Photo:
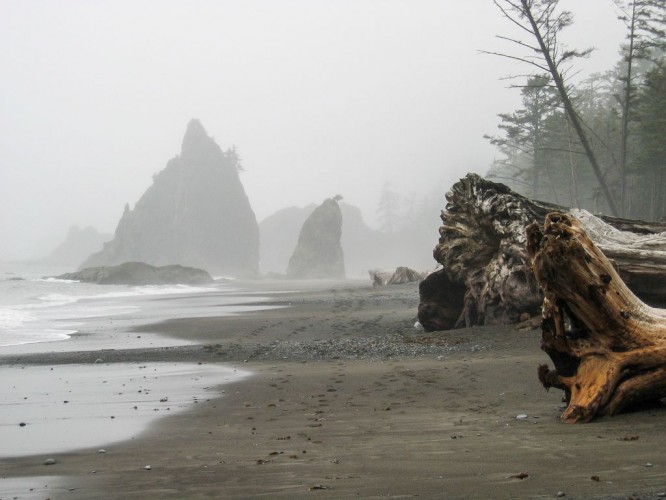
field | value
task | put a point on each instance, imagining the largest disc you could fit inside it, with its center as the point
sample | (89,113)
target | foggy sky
(320,98)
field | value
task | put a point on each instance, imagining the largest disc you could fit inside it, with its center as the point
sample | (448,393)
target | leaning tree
(539,24)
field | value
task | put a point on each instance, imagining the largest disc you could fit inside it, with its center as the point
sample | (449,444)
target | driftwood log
(400,276)
(608,347)
(485,274)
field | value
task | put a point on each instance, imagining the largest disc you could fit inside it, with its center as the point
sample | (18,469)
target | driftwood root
(608,347)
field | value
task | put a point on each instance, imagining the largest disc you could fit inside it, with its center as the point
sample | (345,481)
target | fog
(319,97)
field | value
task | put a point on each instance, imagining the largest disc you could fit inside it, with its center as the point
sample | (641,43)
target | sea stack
(196,214)
(79,243)
(318,253)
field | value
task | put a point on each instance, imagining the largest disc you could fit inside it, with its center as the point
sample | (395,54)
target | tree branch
(515,58)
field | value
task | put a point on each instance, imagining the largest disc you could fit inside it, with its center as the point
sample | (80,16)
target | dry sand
(349,400)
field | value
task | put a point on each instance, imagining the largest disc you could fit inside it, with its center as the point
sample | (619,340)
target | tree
(651,115)
(645,21)
(234,158)
(542,21)
(388,209)
(523,130)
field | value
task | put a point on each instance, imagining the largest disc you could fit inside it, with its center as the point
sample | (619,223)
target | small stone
(522,416)
(147,467)
(648,464)
(99,360)
(101,451)
(561,494)
(22,424)
(661,495)
(49,461)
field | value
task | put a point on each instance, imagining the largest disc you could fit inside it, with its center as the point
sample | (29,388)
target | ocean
(35,307)
(52,409)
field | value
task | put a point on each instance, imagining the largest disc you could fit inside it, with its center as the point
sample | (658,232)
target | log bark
(485,273)
(608,347)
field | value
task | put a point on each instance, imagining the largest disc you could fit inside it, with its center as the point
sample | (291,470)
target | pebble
(648,464)
(561,494)
(522,416)
(101,451)
(147,467)
(49,461)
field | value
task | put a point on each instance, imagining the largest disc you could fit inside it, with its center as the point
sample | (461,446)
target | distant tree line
(598,144)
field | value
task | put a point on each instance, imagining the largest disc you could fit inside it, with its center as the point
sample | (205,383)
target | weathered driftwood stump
(485,276)
(608,347)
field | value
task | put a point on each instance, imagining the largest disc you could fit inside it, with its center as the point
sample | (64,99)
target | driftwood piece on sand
(608,347)
(485,273)
(400,276)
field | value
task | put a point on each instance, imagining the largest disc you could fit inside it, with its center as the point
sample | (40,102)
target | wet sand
(347,399)
(51,409)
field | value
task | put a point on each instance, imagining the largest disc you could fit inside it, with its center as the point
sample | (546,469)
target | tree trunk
(548,52)
(485,275)
(608,347)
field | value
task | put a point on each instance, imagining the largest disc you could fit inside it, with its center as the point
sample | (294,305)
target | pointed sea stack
(196,213)
(318,253)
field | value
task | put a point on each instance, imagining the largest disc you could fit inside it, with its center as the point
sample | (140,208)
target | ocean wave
(14,318)
(55,280)
(24,322)
(25,336)
(138,291)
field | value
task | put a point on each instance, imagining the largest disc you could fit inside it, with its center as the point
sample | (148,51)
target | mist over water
(319,98)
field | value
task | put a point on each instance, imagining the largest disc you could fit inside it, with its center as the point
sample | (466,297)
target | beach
(341,396)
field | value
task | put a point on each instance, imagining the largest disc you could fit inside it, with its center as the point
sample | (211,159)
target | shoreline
(54,409)
(363,405)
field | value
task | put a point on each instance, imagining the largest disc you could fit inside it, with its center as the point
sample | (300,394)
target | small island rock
(140,273)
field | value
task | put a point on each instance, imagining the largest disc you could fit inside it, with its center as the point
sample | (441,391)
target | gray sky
(320,97)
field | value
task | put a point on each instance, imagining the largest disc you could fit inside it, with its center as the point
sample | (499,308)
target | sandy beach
(347,399)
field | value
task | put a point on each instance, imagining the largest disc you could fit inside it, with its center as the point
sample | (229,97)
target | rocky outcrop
(196,213)
(78,244)
(279,235)
(139,273)
(364,248)
(318,253)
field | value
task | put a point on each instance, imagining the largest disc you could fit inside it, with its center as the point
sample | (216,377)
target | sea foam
(47,309)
